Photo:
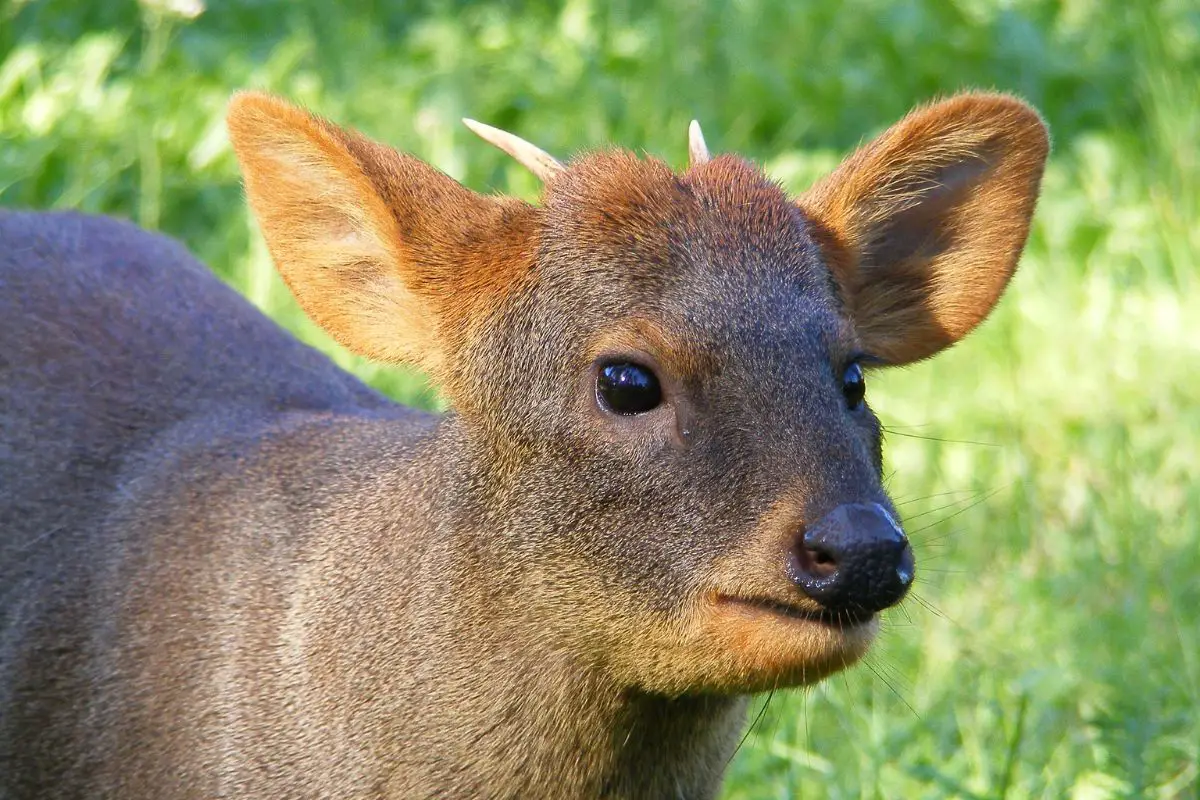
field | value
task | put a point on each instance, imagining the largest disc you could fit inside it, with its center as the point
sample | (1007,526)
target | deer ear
(380,249)
(922,228)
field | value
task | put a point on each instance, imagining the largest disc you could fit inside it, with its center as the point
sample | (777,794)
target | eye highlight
(854,386)
(626,388)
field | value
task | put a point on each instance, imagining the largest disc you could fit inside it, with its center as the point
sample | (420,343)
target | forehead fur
(616,205)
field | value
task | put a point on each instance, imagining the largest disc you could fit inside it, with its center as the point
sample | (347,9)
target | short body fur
(227,568)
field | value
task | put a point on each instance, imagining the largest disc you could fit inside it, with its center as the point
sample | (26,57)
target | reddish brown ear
(383,251)
(922,228)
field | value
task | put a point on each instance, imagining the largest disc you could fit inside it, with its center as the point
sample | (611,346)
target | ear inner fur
(922,228)
(390,256)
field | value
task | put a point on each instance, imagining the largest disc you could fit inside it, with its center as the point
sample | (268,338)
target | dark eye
(627,388)
(854,386)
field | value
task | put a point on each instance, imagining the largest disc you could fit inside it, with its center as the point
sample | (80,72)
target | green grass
(1047,467)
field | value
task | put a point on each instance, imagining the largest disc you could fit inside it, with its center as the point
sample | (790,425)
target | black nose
(854,560)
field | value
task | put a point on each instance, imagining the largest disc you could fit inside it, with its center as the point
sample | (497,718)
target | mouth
(763,643)
(840,620)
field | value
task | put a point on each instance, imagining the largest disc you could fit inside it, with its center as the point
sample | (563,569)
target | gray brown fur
(229,569)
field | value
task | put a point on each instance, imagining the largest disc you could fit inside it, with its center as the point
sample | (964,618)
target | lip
(840,620)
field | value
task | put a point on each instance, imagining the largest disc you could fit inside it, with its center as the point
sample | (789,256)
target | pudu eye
(854,386)
(627,388)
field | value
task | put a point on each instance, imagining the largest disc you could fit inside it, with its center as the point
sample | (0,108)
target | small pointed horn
(697,149)
(533,158)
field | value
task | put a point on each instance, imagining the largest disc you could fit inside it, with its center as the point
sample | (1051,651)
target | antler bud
(533,158)
(697,149)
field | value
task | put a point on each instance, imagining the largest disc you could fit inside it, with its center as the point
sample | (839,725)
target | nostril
(821,557)
(814,566)
(817,561)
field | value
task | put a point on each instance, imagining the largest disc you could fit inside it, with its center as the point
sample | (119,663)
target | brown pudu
(228,569)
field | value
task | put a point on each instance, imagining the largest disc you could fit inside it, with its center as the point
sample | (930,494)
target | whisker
(750,729)
(932,496)
(867,663)
(893,672)
(934,551)
(772,721)
(940,539)
(939,439)
(951,504)
(940,570)
(930,607)
(985,497)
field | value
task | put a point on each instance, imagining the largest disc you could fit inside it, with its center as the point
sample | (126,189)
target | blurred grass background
(1047,468)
